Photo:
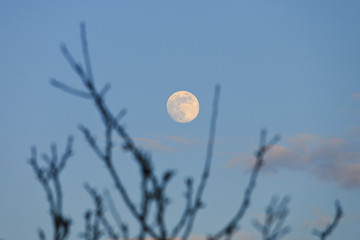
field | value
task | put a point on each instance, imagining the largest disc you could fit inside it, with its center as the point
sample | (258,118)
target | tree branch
(330,228)
(48,175)
(206,172)
(276,214)
(232,225)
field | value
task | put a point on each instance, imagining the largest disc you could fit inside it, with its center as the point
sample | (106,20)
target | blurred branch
(330,228)
(113,211)
(86,53)
(152,186)
(276,213)
(68,89)
(111,124)
(259,154)
(206,172)
(41,234)
(187,211)
(92,227)
(51,174)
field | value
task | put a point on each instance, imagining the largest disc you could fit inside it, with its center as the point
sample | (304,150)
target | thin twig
(48,175)
(330,228)
(275,217)
(206,172)
(86,53)
(99,216)
(68,89)
(264,147)
(187,211)
(113,211)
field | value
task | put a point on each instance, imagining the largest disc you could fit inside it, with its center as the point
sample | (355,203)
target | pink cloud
(355,95)
(165,143)
(177,139)
(319,221)
(154,144)
(330,159)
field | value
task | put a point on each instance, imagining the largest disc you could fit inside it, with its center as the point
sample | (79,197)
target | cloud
(320,221)
(165,143)
(177,139)
(330,159)
(154,144)
(356,95)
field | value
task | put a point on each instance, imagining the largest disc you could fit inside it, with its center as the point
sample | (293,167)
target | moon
(182,106)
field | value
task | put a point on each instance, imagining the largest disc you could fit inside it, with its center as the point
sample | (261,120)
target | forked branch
(259,154)
(49,177)
(276,213)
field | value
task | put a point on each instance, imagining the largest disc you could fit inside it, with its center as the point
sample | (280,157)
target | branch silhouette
(150,210)
(152,187)
(116,216)
(276,214)
(232,225)
(94,219)
(49,177)
(330,228)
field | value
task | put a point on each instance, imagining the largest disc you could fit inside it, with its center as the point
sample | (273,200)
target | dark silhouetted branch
(93,226)
(276,213)
(69,89)
(259,154)
(330,228)
(41,234)
(113,211)
(206,172)
(153,198)
(112,124)
(187,211)
(51,174)
(86,53)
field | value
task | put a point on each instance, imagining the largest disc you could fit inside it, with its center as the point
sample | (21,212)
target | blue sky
(289,66)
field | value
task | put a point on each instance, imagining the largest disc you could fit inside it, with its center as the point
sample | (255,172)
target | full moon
(182,106)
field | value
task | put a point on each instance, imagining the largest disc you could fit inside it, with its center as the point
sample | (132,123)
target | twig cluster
(150,210)
(49,177)
(153,187)
(94,219)
(275,215)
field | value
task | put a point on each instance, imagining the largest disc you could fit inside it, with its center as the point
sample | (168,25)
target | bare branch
(152,186)
(86,52)
(110,122)
(104,90)
(276,214)
(187,211)
(68,89)
(99,217)
(120,115)
(233,223)
(162,202)
(48,175)
(113,211)
(206,172)
(330,228)
(67,154)
(87,234)
(92,142)
(75,66)
(41,234)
